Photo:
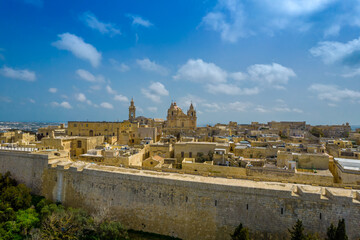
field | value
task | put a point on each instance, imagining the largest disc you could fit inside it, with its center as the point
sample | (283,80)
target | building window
(215,203)
(190,154)
(79,144)
(75,125)
(182,154)
(282,211)
(87,125)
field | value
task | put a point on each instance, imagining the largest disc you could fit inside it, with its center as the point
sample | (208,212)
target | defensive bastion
(185,206)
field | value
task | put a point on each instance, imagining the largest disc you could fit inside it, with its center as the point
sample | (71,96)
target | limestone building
(177,120)
(132,111)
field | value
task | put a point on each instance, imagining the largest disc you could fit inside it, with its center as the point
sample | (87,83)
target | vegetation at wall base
(240,233)
(25,216)
(140,235)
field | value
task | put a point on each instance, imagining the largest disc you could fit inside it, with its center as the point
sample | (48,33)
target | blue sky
(258,60)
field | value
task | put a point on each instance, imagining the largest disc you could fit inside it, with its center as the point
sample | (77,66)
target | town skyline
(298,62)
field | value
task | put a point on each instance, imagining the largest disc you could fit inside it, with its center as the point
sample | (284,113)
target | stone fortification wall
(189,206)
(25,168)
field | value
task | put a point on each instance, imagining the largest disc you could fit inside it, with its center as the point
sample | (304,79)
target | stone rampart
(187,206)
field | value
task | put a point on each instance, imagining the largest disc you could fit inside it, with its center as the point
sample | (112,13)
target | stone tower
(191,113)
(132,110)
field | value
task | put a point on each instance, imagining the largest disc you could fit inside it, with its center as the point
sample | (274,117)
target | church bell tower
(132,110)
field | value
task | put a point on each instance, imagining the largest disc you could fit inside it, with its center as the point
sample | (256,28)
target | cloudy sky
(245,60)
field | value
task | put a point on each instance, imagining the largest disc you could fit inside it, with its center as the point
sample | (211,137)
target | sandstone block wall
(188,206)
(25,168)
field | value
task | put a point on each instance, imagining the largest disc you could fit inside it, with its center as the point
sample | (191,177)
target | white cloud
(287,109)
(148,65)
(215,79)
(155,91)
(106,105)
(200,71)
(121,98)
(354,73)
(332,30)
(79,48)
(297,110)
(234,20)
(334,93)
(261,109)
(148,94)
(96,87)
(331,52)
(110,90)
(239,106)
(275,74)
(137,20)
(53,90)
(228,19)
(21,74)
(62,104)
(230,89)
(87,76)
(239,76)
(80,97)
(152,109)
(212,107)
(296,7)
(185,101)
(32,100)
(159,88)
(281,107)
(121,67)
(105,28)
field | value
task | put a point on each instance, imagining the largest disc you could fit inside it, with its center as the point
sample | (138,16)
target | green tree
(6,212)
(337,233)
(240,233)
(17,196)
(297,231)
(60,223)
(200,157)
(27,219)
(331,232)
(341,231)
(211,155)
(112,231)
(317,132)
(7,181)
(10,230)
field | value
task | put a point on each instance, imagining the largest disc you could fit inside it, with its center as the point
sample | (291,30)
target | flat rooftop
(349,164)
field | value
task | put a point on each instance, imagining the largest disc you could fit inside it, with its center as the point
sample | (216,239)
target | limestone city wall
(187,206)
